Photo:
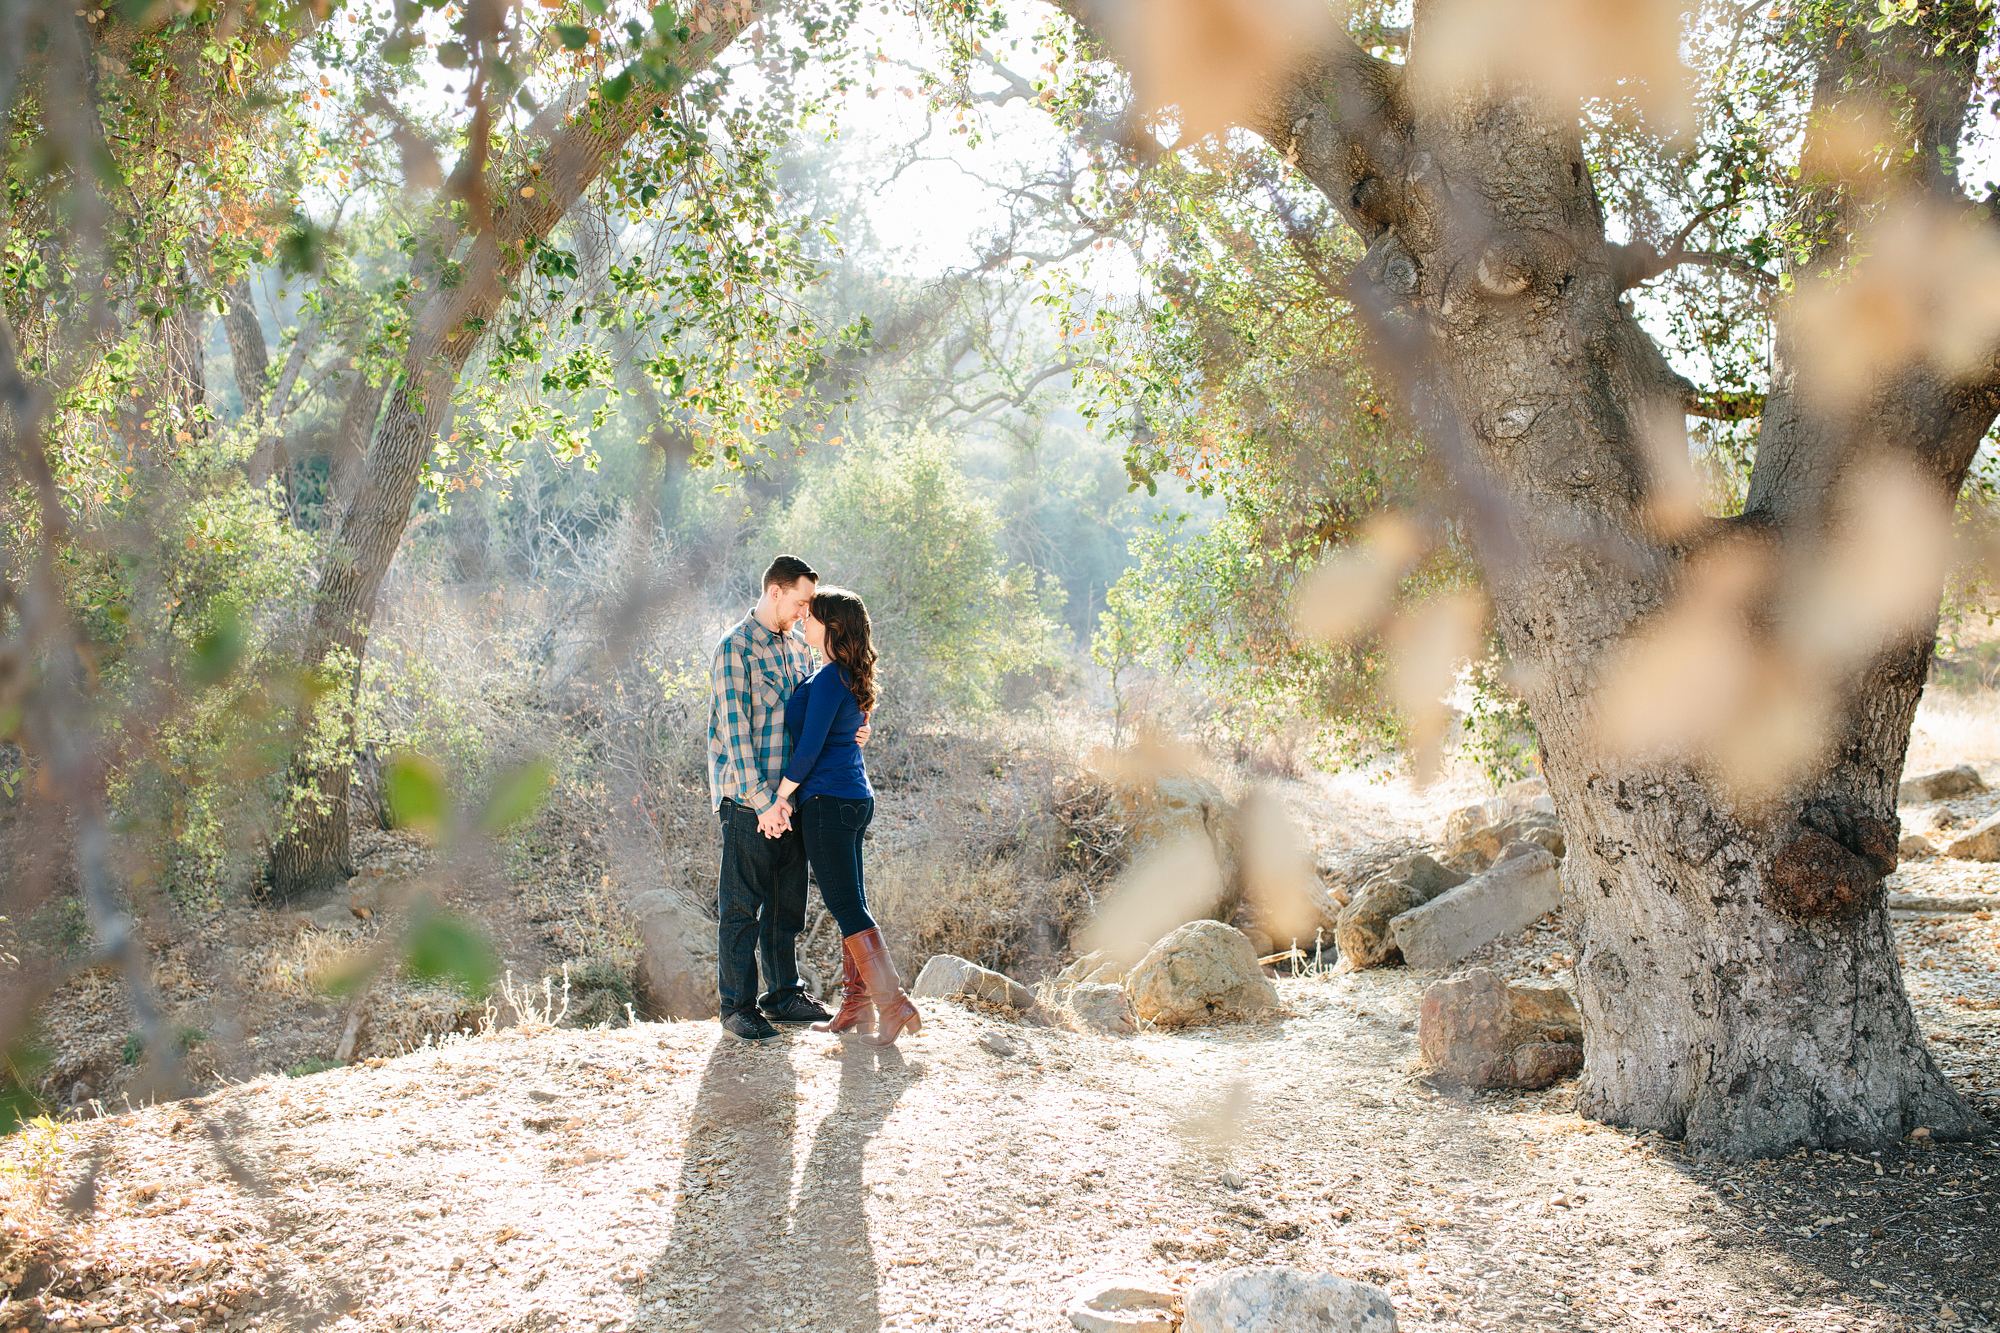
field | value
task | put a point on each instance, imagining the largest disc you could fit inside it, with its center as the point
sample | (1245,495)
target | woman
(828,784)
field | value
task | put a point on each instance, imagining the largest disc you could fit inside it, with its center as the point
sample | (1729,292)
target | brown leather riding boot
(855,1006)
(893,1010)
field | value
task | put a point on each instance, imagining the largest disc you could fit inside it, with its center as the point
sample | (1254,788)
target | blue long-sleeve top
(822,717)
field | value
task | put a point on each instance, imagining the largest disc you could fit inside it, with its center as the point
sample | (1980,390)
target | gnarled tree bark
(1737,971)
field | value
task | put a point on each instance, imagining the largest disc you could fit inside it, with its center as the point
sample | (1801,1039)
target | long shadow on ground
(744,1258)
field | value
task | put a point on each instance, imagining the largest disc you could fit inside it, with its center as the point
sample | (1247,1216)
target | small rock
(1518,889)
(998,1044)
(1942,785)
(1103,1008)
(1203,970)
(1363,932)
(1230,1180)
(1479,1031)
(1286,1300)
(949,975)
(543,1095)
(1461,823)
(675,974)
(1123,1304)
(1915,847)
(1981,842)
(1479,849)
(1100,966)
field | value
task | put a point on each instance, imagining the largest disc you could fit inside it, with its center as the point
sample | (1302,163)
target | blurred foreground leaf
(449,948)
(414,789)
(20,1065)
(216,652)
(516,795)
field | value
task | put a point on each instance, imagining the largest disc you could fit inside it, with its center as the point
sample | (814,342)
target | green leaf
(302,249)
(217,652)
(21,1064)
(620,88)
(516,795)
(413,788)
(444,947)
(572,36)
(452,56)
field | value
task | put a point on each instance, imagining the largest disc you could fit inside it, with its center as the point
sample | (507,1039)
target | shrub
(895,520)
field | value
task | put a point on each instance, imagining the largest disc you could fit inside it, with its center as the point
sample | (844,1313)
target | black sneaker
(749,1025)
(795,1007)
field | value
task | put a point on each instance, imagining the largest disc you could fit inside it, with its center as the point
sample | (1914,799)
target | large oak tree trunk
(313,852)
(1737,970)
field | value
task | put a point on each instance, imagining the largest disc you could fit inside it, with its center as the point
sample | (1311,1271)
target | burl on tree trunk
(1737,972)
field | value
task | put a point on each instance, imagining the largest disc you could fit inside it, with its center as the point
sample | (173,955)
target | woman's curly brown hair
(848,640)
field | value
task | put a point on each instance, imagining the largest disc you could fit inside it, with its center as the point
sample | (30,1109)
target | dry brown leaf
(1880,577)
(1353,587)
(1151,756)
(1848,140)
(1426,647)
(1923,288)
(1566,50)
(1215,61)
(1673,492)
(1277,868)
(1781,728)
(1681,681)
(1171,886)
(1219,1121)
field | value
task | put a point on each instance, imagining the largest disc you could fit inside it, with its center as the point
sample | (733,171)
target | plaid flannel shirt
(753,674)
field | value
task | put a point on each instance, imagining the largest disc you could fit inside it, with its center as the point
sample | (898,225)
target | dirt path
(661,1178)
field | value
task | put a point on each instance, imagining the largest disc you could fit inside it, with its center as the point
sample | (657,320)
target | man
(762,898)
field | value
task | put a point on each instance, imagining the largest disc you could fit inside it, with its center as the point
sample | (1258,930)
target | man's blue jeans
(761,902)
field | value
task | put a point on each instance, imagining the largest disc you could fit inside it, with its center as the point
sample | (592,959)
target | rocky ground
(659,1177)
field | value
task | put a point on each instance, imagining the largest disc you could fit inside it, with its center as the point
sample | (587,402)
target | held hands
(777,821)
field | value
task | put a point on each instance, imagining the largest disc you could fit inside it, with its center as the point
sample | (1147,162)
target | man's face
(788,604)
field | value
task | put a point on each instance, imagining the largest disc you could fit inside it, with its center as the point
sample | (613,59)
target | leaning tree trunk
(313,853)
(1737,971)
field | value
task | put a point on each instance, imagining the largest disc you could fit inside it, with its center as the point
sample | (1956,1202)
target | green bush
(895,520)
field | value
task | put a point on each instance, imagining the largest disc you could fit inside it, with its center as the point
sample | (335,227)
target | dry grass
(1954,727)
(997,912)
(307,967)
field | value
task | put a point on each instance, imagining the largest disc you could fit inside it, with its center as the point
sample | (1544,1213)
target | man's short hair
(787,570)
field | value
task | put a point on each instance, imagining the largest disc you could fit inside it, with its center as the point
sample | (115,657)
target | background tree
(1723,702)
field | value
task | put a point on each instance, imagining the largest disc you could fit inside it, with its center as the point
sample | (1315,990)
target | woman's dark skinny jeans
(833,826)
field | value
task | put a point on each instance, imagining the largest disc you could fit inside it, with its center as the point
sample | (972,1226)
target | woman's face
(813,628)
